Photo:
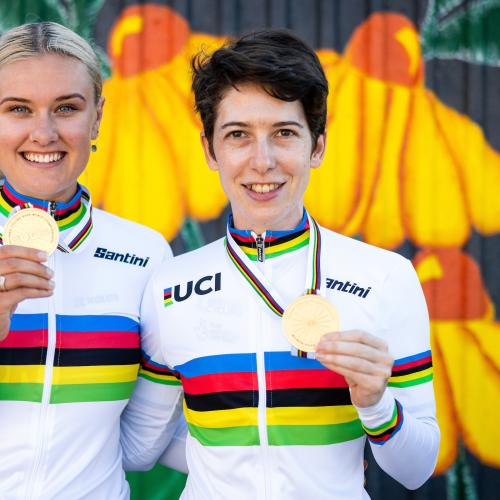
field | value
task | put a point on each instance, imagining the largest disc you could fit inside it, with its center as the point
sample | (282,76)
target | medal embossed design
(307,319)
(32,228)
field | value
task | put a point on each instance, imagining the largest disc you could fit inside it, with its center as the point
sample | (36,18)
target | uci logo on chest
(179,293)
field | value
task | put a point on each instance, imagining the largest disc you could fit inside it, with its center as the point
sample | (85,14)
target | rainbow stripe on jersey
(307,404)
(412,370)
(155,372)
(96,358)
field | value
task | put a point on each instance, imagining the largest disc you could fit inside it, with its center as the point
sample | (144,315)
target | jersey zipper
(262,406)
(34,480)
(260,242)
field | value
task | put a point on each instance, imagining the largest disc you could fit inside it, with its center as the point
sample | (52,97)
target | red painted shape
(460,293)
(164,33)
(375,49)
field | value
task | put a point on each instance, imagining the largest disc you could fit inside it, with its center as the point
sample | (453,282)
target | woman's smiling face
(48,116)
(263,152)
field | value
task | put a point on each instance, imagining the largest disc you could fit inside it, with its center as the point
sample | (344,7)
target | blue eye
(19,109)
(66,108)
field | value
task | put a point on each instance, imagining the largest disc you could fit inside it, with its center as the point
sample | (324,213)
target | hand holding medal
(363,359)
(29,236)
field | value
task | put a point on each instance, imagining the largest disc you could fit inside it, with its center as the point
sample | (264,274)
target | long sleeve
(152,414)
(174,456)
(402,427)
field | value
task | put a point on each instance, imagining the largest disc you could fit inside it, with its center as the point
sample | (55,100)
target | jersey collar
(74,217)
(275,242)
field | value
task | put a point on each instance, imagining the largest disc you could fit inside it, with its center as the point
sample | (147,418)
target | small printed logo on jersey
(203,286)
(167,297)
(126,258)
(348,287)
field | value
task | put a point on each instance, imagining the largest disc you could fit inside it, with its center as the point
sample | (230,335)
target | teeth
(263,188)
(43,158)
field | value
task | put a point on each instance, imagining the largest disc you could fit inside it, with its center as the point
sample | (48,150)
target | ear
(319,151)
(209,157)
(98,118)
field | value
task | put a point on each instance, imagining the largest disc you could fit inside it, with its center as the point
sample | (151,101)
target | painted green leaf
(462,29)
(19,12)
(78,15)
(192,235)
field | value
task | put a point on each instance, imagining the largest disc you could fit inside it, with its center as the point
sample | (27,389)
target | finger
(20,265)
(357,336)
(23,280)
(356,349)
(340,363)
(367,382)
(9,251)
(9,300)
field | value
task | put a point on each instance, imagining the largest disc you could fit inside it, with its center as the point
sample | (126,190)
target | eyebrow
(234,124)
(288,124)
(58,99)
(71,96)
(277,124)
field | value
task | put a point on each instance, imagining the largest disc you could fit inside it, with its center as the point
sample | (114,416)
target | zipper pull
(260,248)
(52,208)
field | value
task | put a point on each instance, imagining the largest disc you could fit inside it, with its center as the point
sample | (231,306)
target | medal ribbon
(258,281)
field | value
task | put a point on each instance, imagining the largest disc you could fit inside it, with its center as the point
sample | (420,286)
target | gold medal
(307,319)
(32,228)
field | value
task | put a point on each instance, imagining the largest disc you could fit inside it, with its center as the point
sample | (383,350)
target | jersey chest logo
(180,293)
(126,258)
(348,287)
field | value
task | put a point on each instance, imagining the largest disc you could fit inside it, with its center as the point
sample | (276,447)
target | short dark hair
(278,60)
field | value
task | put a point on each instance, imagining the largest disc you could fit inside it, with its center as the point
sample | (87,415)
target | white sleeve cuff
(378,414)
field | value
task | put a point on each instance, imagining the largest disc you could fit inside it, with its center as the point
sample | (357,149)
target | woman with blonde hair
(71,282)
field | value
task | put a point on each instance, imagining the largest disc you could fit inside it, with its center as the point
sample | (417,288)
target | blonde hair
(33,39)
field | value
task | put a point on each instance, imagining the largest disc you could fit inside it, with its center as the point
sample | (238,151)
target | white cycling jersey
(265,423)
(69,362)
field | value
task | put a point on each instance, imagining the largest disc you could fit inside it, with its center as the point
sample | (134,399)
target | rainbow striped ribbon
(263,287)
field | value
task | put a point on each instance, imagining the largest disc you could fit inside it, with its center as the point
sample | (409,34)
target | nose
(44,130)
(263,157)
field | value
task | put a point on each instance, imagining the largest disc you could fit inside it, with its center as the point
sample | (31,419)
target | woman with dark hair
(279,399)
(71,281)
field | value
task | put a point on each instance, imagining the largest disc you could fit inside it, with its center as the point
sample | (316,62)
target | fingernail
(50,273)
(43,255)
(52,284)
